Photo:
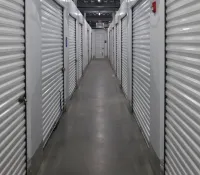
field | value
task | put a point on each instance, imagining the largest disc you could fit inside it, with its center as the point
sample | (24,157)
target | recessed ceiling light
(99,13)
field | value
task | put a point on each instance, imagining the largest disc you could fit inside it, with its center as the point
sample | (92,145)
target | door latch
(22,99)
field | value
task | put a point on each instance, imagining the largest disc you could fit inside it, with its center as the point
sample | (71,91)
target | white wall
(86,55)
(93,43)
(33,76)
(106,44)
(90,49)
(157,79)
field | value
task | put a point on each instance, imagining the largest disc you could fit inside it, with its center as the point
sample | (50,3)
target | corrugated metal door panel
(110,46)
(88,46)
(116,65)
(182,88)
(52,65)
(80,55)
(118,54)
(72,55)
(124,56)
(91,46)
(12,88)
(113,48)
(82,48)
(141,64)
(116,49)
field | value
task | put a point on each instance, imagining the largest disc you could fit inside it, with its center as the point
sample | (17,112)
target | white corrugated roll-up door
(118,52)
(116,49)
(91,45)
(80,45)
(141,65)
(182,131)
(114,56)
(52,65)
(124,64)
(88,46)
(110,46)
(12,88)
(113,47)
(72,55)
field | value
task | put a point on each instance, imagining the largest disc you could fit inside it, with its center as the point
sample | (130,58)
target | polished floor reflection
(98,135)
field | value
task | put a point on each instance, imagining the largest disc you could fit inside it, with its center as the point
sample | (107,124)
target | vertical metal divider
(165,110)
(25,74)
(63,103)
(121,55)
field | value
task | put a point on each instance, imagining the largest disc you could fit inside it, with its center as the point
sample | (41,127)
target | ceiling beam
(98,8)
(98,19)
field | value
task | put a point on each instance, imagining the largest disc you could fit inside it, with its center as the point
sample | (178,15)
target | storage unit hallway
(97,135)
(100,87)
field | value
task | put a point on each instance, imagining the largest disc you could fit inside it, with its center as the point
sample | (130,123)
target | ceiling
(98,11)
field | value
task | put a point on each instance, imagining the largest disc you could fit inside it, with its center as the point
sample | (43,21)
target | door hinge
(22,99)
(63,69)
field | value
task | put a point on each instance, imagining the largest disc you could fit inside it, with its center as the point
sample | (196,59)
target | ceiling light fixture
(99,13)
(99,0)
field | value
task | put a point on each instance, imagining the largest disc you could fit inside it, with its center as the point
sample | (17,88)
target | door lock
(22,99)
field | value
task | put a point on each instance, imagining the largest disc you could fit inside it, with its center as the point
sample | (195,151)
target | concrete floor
(98,135)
